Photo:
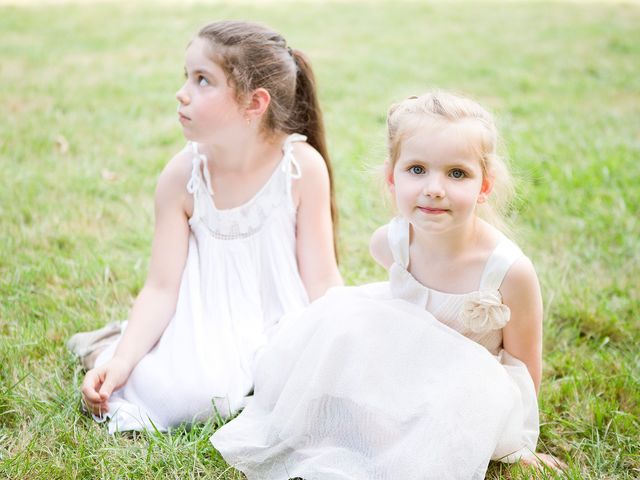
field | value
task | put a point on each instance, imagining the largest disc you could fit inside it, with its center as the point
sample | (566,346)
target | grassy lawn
(88,121)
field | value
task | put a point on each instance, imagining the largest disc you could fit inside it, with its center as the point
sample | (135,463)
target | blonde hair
(443,107)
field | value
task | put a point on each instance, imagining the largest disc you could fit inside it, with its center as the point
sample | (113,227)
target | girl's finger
(90,387)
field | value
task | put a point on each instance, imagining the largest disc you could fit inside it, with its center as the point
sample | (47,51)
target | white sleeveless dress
(367,384)
(240,277)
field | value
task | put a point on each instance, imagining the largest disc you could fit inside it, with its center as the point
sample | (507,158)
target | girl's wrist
(125,363)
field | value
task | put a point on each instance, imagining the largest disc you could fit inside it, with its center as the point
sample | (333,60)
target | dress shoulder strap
(499,263)
(200,180)
(200,176)
(289,162)
(398,237)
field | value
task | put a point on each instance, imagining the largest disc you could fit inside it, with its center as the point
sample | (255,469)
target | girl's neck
(243,154)
(454,243)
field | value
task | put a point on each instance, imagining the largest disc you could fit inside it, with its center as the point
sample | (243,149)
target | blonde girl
(433,373)
(243,235)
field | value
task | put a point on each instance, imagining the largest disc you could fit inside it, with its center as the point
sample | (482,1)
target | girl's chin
(429,223)
(205,139)
(189,136)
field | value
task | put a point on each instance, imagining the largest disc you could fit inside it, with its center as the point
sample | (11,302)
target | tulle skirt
(362,386)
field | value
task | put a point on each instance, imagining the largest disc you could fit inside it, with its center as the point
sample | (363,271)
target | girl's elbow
(319,286)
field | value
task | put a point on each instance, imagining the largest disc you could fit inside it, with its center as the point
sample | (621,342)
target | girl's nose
(433,187)
(182,96)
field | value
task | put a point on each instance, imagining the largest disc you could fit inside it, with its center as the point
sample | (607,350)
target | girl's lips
(183,118)
(433,211)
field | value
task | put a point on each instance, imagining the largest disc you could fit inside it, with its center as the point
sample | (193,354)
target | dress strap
(289,162)
(199,171)
(200,178)
(499,263)
(398,237)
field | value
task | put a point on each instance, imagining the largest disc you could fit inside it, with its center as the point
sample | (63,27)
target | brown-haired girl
(244,234)
(429,375)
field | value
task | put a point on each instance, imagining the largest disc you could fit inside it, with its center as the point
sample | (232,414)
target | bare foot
(542,460)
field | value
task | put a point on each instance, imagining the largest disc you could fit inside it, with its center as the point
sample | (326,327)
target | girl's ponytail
(306,118)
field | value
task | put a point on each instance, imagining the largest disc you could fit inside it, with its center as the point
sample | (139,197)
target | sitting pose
(431,374)
(244,234)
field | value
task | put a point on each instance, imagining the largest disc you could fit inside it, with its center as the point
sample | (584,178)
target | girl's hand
(542,460)
(99,383)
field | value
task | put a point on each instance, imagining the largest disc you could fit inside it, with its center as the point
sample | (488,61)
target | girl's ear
(257,104)
(388,176)
(485,189)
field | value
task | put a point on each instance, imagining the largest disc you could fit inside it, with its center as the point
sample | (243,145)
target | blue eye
(416,170)
(457,173)
(203,82)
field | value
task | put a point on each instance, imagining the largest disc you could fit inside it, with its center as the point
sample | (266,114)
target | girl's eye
(457,173)
(417,170)
(203,82)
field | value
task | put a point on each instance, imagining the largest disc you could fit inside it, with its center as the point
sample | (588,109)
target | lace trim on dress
(249,218)
(245,222)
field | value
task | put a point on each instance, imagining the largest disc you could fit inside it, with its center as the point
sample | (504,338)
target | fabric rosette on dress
(484,311)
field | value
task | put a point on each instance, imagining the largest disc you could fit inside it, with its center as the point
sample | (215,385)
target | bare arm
(156,302)
(523,333)
(379,247)
(314,234)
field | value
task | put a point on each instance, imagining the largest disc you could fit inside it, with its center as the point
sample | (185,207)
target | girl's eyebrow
(414,160)
(465,164)
(198,71)
(462,162)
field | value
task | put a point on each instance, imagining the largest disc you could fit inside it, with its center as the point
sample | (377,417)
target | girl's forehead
(460,134)
(435,125)
(199,51)
(440,140)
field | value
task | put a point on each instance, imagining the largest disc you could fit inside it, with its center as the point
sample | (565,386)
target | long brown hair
(254,56)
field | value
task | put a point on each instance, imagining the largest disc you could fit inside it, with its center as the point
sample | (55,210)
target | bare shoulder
(173,179)
(520,283)
(177,169)
(311,162)
(313,183)
(379,247)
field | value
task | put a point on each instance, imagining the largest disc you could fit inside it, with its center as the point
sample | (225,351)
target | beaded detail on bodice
(250,217)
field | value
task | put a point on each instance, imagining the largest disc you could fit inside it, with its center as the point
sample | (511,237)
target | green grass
(88,121)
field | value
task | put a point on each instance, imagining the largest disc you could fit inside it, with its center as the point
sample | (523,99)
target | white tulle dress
(240,278)
(390,381)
